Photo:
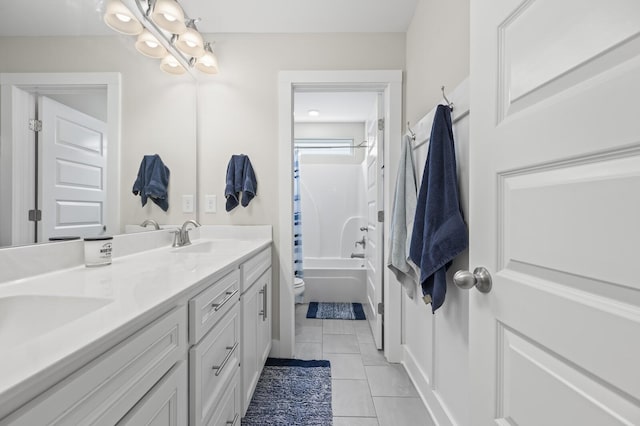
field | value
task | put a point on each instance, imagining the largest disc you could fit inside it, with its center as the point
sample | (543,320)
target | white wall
(437,53)
(158,112)
(436,346)
(238,111)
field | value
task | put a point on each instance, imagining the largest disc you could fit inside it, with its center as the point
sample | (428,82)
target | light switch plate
(187,204)
(210,203)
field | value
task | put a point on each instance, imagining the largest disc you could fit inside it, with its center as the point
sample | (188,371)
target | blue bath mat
(329,310)
(292,392)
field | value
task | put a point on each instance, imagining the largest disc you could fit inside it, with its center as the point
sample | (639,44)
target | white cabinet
(165,404)
(255,306)
(103,391)
(213,364)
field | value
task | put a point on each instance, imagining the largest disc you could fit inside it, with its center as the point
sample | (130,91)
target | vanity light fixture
(164,32)
(170,64)
(208,62)
(190,42)
(120,19)
(169,16)
(149,46)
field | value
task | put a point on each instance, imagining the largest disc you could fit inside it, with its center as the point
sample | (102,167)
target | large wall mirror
(144,110)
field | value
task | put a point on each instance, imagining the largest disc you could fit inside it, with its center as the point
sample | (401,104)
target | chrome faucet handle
(364,228)
(177,237)
(184,232)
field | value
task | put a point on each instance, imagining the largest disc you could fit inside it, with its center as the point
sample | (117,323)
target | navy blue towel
(439,230)
(240,180)
(153,181)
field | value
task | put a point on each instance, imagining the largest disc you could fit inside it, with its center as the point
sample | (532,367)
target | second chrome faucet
(181,235)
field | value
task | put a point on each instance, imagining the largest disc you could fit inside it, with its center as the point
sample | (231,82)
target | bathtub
(335,280)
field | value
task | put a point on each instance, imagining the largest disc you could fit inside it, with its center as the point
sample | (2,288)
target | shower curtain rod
(360,145)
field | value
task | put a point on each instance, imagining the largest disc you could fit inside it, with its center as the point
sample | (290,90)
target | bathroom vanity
(159,337)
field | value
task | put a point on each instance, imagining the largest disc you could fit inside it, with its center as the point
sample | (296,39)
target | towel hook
(449,103)
(413,135)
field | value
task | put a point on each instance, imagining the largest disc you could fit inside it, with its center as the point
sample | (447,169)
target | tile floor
(367,390)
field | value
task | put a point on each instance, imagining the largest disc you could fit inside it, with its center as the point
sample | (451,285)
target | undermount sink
(27,316)
(200,247)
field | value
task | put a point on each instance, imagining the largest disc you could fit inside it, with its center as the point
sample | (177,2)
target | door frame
(390,83)
(14,176)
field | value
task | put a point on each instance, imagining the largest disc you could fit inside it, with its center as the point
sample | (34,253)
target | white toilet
(298,289)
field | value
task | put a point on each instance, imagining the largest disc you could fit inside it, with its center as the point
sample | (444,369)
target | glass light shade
(207,63)
(190,42)
(169,16)
(149,46)
(120,19)
(170,65)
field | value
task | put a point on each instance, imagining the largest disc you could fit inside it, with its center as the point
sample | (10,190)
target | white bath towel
(404,207)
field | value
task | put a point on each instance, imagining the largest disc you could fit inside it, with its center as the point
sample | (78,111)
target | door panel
(555,161)
(375,237)
(74,162)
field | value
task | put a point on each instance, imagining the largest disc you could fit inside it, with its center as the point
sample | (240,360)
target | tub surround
(147,278)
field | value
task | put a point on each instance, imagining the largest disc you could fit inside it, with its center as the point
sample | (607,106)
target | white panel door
(74,170)
(555,212)
(375,237)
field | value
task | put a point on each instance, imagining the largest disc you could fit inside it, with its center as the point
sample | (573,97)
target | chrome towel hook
(449,103)
(413,135)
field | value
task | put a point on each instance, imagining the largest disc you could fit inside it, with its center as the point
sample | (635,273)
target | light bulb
(169,17)
(151,44)
(123,18)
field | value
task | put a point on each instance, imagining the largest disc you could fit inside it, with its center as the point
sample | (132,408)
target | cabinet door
(250,303)
(264,318)
(165,404)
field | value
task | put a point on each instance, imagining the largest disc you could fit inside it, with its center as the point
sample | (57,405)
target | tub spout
(357,255)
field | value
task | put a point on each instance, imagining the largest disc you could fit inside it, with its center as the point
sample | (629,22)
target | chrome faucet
(150,222)
(362,242)
(181,235)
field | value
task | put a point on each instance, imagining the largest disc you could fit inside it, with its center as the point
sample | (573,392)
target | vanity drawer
(165,404)
(254,267)
(212,365)
(227,413)
(209,306)
(103,391)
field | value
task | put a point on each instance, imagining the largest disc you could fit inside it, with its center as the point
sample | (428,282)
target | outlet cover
(210,203)
(187,204)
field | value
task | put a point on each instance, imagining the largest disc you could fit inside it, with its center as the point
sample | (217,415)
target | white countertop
(139,287)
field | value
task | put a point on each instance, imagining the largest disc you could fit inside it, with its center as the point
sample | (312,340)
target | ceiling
(334,107)
(83,17)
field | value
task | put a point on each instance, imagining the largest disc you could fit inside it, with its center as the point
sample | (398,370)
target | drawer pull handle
(217,306)
(226,359)
(265,299)
(235,419)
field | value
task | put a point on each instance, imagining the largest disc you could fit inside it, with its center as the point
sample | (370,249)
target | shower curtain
(297,223)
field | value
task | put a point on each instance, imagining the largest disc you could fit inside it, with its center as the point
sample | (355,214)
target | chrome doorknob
(480,278)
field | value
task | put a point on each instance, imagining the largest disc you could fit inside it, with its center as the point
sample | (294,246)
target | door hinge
(380,308)
(381,124)
(35,215)
(35,125)
(381,216)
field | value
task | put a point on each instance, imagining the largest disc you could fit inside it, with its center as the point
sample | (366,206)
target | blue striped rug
(329,310)
(292,392)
